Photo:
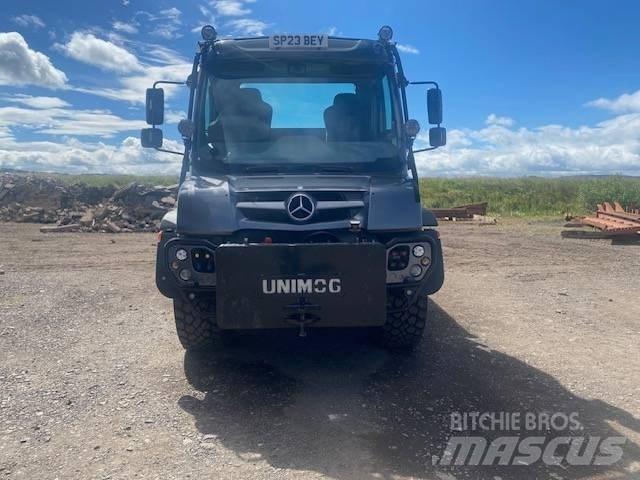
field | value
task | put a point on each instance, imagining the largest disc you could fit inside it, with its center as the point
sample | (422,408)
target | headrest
(251,94)
(346,100)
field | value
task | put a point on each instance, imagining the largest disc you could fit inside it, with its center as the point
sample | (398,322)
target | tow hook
(301,315)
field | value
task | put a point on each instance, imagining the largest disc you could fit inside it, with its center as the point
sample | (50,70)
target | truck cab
(298,204)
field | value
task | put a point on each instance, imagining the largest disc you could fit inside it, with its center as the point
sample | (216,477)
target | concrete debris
(37,198)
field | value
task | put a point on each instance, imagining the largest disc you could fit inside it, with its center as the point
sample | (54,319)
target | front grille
(270,206)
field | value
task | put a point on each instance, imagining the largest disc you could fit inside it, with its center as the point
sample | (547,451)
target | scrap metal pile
(79,207)
(611,220)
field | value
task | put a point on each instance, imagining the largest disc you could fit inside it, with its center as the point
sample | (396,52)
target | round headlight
(415,271)
(418,251)
(385,33)
(208,33)
(185,274)
(181,254)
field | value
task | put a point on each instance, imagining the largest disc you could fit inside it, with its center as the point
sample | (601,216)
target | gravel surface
(93,382)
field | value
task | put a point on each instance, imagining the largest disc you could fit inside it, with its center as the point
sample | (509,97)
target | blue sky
(531,88)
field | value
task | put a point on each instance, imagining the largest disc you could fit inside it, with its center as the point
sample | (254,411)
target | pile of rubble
(79,207)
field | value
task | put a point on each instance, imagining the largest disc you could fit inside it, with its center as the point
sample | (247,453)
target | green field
(532,196)
(517,197)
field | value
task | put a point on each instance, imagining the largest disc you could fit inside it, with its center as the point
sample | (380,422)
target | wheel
(195,322)
(406,320)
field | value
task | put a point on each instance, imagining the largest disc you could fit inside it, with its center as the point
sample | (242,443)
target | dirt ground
(93,382)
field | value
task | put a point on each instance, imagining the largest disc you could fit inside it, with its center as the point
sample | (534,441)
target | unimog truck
(299,203)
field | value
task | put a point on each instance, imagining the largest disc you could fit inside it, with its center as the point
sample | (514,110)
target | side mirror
(437,136)
(155,106)
(434,106)
(151,137)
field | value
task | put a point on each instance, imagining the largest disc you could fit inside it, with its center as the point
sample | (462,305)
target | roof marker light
(208,33)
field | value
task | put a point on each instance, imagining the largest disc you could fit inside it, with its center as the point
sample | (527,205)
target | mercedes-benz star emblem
(300,207)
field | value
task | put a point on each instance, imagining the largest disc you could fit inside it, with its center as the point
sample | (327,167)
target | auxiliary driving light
(181,254)
(412,127)
(385,33)
(418,251)
(415,271)
(208,33)
(185,274)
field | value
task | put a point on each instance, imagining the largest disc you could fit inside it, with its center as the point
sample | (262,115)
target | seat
(243,118)
(345,120)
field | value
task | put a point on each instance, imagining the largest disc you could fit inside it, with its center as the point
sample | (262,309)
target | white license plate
(298,41)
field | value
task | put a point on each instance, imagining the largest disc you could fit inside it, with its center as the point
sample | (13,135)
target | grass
(532,196)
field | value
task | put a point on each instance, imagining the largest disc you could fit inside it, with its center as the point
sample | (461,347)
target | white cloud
(87,48)
(248,26)
(627,102)
(36,102)
(165,24)
(20,65)
(67,121)
(494,119)
(125,27)
(132,88)
(29,20)
(73,156)
(232,8)
(612,146)
(407,49)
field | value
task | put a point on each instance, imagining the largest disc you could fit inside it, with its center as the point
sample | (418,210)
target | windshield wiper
(261,169)
(334,169)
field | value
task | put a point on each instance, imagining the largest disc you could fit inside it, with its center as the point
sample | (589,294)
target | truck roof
(339,49)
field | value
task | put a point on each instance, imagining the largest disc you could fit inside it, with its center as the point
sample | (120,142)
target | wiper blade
(334,169)
(261,169)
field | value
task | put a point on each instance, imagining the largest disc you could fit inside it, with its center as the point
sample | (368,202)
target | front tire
(406,321)
(195,323)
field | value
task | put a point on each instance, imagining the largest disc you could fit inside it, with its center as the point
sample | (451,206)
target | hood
(224,205)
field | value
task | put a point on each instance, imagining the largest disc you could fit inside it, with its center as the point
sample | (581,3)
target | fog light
(181,254)
(415,271)
(398,258)
(425,261)
(418,251)
(185,274)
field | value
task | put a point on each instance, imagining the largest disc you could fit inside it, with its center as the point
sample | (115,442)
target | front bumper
(244,272)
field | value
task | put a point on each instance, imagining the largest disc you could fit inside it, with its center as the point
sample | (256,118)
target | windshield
(302,122)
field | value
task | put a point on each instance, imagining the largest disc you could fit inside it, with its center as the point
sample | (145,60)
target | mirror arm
(435,84)
(167,82)
(169,151)
(424,149)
